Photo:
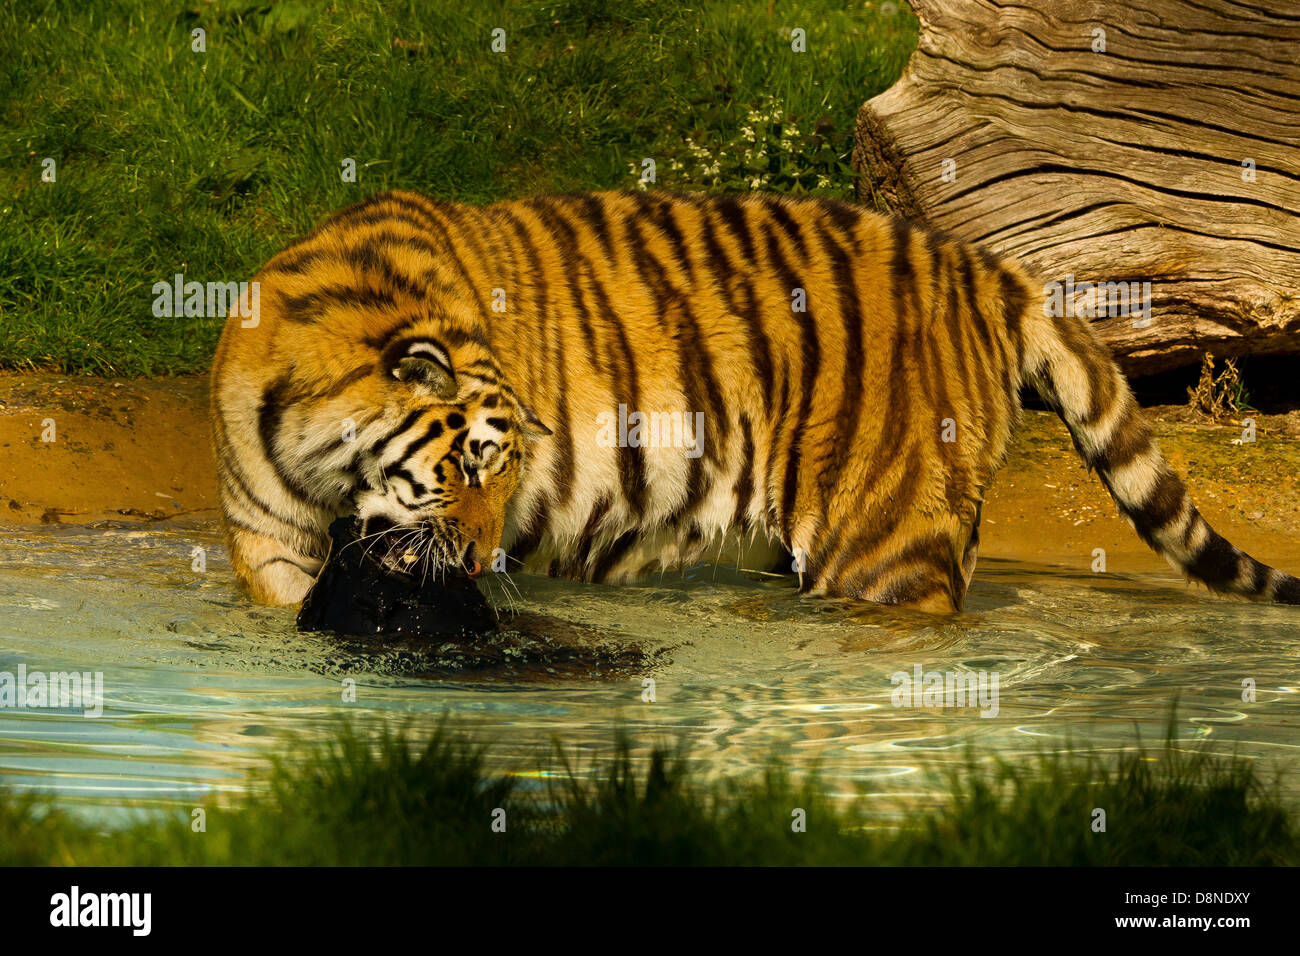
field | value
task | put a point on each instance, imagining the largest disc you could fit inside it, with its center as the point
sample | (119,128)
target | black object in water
(354,594)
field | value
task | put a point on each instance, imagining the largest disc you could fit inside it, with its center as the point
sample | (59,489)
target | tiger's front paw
(280,583)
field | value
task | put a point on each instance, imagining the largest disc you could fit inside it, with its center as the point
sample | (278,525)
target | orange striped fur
(481,353)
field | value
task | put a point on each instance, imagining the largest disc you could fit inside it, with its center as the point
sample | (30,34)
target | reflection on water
(199,685)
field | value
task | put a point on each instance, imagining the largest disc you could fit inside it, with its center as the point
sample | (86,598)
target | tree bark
(1148,141)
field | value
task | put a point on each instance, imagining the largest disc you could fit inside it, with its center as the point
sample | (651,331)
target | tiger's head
(434,485)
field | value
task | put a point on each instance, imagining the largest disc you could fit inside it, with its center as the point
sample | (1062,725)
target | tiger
(449,374)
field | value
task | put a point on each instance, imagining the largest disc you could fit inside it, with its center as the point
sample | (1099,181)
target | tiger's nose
(469,561)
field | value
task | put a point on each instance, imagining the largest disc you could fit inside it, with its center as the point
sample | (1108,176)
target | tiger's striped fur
(824,429)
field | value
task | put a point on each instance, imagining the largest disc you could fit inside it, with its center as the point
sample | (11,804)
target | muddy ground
(140,451)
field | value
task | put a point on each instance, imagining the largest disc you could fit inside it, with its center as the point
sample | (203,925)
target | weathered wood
(1128,164)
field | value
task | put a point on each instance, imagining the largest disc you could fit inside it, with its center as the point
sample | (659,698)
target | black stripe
(733,215)
(691,365)
(1217,563)
(594,206)
(1129,439)
(240,484)
(903,291)
(468,226)
(563,428)
(776,425)
(631,465)
(1016,305)
(1288,592)
(572,258)
(377,450)
(724,273)
(312,306)
(431,433)
(317,543)
(541,301)
(661,213)
(1163,504)
(744,488)
(428,221)
(270,415)
(838,452)
(579,557)
(230,465)
(529,537)
(846,217)
(455,335)
(298,263)
(788,226)
(956,467)
(369,257)
(564,460)
(376,217)
(932,551)
(966,273)
(974,381)
(935,381)
(349,379)
(417,487)
(697,358)
(286,561)
(613,554)
(810,365)
(869,532)
(999,360)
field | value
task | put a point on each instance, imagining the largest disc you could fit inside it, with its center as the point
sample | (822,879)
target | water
(199,685)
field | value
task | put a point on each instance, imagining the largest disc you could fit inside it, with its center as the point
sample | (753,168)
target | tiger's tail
(1072,371)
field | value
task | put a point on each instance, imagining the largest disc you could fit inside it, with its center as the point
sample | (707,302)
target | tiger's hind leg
(926,565)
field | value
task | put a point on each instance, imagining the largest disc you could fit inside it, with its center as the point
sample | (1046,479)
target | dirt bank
(135,450)
(139,451)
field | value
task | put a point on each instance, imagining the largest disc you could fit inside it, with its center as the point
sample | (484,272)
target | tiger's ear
(425,371)
(532,426)
(426,363)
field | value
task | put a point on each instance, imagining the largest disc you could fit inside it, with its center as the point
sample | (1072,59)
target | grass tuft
(391,801)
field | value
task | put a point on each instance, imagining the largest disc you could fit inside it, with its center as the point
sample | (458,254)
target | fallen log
(1156,141)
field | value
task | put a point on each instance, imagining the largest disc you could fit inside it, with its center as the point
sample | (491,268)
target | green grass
(387,801)
(206,163)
